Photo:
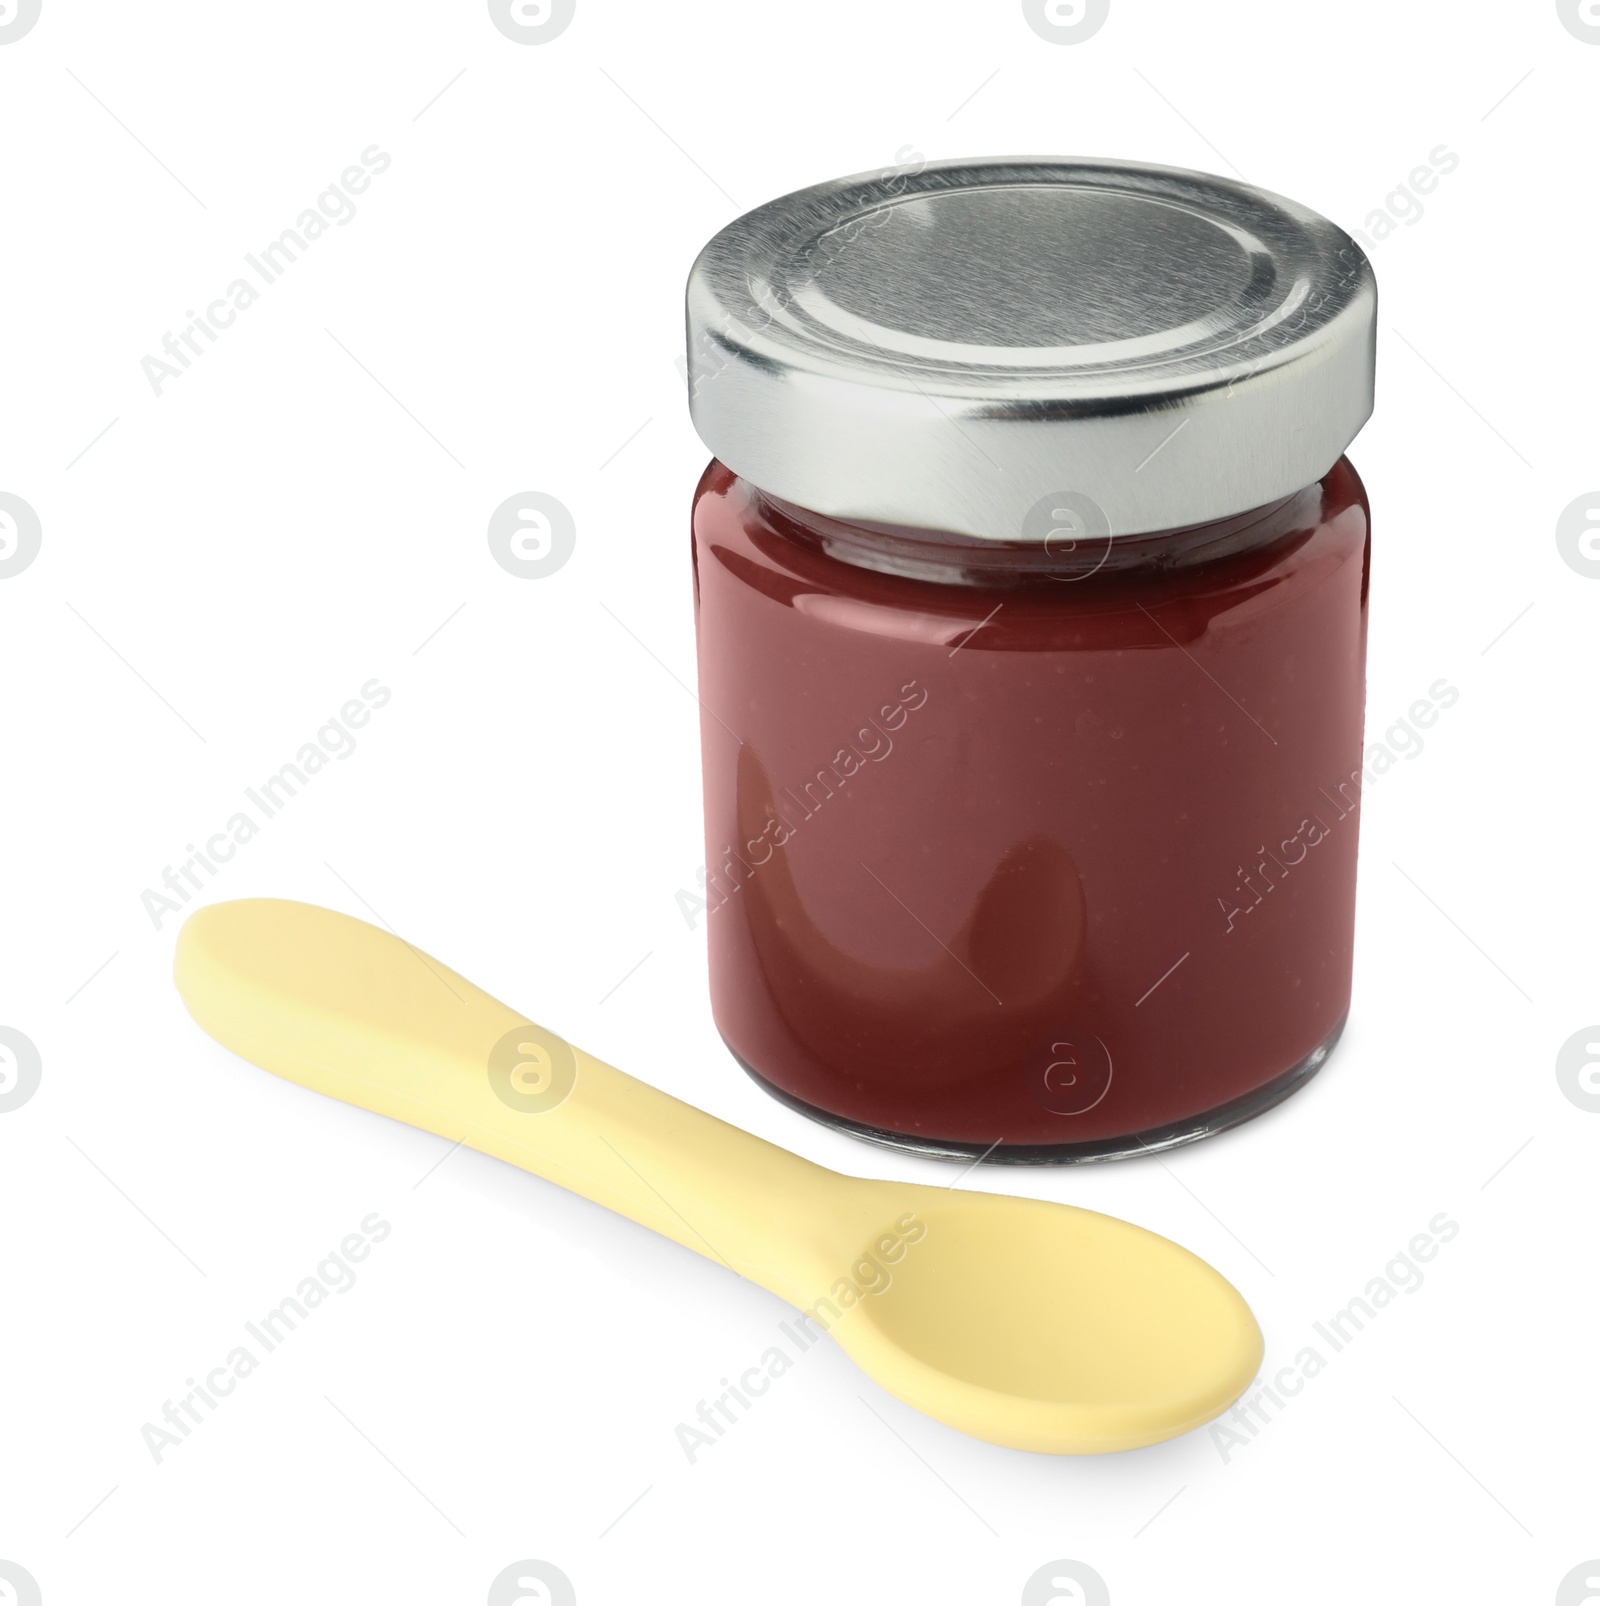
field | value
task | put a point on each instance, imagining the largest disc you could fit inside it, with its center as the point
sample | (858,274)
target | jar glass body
(1044,846)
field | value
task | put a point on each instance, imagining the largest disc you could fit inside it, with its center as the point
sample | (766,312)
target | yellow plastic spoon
(1034,1325)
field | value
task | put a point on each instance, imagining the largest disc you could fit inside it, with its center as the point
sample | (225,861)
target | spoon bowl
(1046,1327)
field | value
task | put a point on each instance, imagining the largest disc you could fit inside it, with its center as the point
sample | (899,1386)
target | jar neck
(948,559)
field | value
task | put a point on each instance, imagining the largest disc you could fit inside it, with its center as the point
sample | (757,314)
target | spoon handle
(346,1009)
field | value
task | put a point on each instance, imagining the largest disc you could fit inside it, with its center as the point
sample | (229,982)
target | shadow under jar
(1031,587)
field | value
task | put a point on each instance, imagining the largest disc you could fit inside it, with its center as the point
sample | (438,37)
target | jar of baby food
(1031,587)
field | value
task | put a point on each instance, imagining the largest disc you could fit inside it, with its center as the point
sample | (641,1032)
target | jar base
(1234,1113)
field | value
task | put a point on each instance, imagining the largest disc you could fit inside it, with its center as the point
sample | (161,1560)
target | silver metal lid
(975,346)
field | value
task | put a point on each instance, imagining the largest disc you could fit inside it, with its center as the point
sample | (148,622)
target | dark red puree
(1050,849)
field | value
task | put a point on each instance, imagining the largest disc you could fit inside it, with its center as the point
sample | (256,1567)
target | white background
(305,509)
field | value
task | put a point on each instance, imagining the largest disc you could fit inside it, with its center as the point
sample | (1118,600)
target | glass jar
(1031,587)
